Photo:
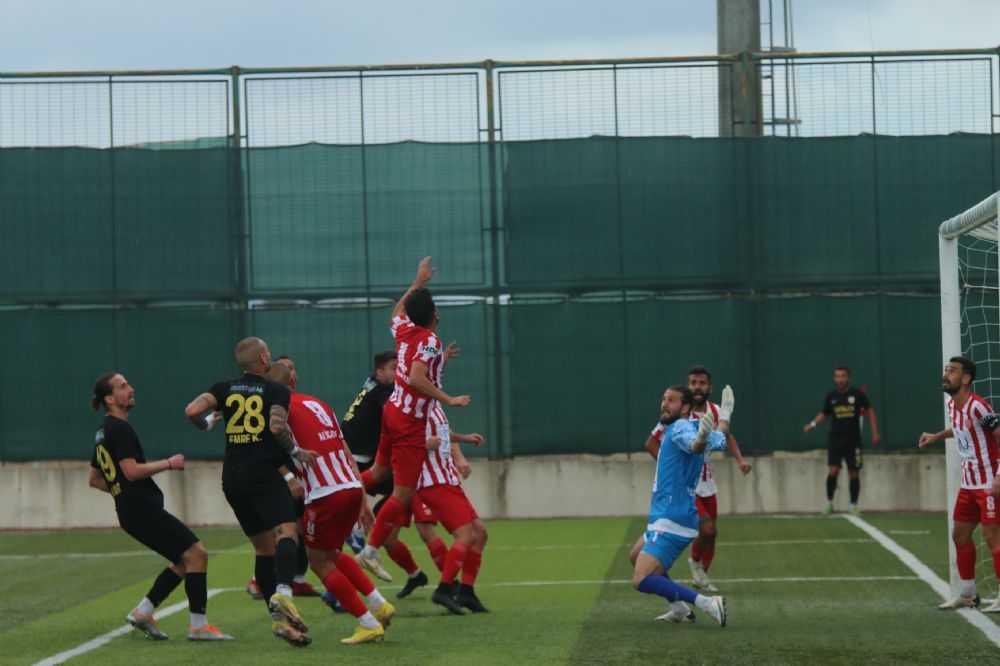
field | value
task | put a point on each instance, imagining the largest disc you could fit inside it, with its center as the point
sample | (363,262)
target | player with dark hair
(334,501)
(975,428)
(673,516)
(255,411)
(402,444)
(119,467)
(845,405)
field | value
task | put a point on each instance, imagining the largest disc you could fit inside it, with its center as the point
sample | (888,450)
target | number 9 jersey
(246,404)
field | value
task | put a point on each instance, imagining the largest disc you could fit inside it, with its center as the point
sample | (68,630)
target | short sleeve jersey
(246,408)
(362,423)
(672,507)
(414,343)
(973,424)
(315,427)
(439,468)
(845,411)
(115,441)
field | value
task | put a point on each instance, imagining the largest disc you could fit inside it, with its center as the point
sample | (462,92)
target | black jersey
(246,408)
(116,441)
(844,412)
(362,424)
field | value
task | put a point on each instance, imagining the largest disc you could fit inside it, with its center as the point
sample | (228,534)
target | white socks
(680,608)
(285,591)
(703,602)
(198,620)
(145,607)
(368,621)
(968,588)
(374,600)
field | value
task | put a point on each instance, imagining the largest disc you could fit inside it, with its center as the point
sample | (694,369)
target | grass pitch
(800,590)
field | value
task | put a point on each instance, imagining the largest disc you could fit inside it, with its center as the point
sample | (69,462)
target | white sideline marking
(721,581)
(727,544)
(104,639)
(974,617)
(52,556)
(909,531)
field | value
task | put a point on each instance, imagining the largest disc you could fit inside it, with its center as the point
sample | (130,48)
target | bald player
(255,413)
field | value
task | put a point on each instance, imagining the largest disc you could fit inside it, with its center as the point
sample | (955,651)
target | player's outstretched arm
(419,380)
(815,423)
(135,471)
(278,424)
(196,412)
(424,275)
(927,438)
(734,450)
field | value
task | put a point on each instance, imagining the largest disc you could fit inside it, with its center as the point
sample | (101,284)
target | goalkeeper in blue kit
(673,518)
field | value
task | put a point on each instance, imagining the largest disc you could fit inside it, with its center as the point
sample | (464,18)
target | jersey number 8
(248,416)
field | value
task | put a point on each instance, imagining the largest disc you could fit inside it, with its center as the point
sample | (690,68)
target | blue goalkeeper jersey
(672,507)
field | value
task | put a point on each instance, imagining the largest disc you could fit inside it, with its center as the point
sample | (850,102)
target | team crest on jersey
(850,400)
(99,436)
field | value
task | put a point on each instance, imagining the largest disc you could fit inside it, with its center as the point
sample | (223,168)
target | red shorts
(417,512)
(449,504)
(707,506)
(402,445)
(976,506)
(328,520)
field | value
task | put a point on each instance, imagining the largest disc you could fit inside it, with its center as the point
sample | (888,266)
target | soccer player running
(845,405)
(673,516)
(402,445)
(975,428)
(255,411)
(334,501)
(119,467)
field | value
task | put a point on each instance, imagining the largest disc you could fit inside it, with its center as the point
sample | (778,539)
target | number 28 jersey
(414,343)
(246,407)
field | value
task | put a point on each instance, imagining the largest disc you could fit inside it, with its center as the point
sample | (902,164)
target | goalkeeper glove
(212,420)
(706,424)
(728,403)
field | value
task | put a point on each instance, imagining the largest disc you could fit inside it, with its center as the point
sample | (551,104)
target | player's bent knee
(195,558)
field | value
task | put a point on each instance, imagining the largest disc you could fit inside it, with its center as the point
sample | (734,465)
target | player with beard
(703,547)
(975,428)
(673,516)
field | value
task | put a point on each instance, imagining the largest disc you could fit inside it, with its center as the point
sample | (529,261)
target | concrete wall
(54,495)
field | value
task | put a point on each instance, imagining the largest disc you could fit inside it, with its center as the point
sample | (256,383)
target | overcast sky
(61,35)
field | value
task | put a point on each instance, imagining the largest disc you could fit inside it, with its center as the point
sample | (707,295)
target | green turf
(558,590)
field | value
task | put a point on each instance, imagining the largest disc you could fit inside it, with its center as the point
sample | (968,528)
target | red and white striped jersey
(314,426)
(977,446)
(439,468)
(706,483)
(414,343)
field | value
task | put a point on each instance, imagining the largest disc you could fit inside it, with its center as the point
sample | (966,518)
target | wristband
(169,466)
(295,449)
(812,424)
(289,476)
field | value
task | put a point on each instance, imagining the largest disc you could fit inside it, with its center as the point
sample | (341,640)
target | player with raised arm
(119,467)
(255,411)
(402,444)
(975,428)
(673,516)
(703,547)
(334,501)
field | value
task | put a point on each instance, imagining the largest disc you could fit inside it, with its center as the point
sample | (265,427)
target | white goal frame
(981,222)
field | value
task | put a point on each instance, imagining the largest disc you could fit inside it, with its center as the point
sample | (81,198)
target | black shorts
(849,452)
(300,507)
(260,498)
(157,530)
(384,488)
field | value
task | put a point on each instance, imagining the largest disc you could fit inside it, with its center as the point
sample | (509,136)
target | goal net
(970,324)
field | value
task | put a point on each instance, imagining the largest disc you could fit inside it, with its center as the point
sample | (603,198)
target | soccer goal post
(970,325)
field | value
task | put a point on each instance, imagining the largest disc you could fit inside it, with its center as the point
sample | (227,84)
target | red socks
(453,562)
(387,519)
(400,554)
(352,571)
(366,479)
(965,558)
(439,552)
(470,569)
(342,589)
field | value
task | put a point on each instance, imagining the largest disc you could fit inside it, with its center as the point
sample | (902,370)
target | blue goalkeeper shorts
(665,547)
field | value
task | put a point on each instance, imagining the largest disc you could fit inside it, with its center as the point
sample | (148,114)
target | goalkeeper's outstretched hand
(728,404)
(706,424)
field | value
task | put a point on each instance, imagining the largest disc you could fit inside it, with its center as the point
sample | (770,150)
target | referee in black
(255,414)
(119,467)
